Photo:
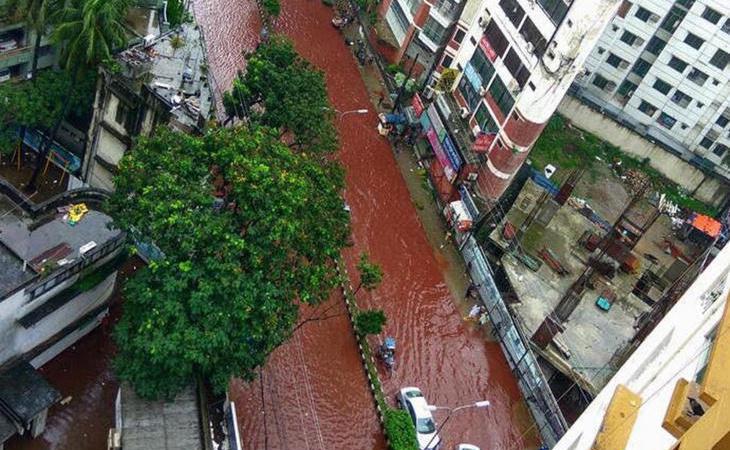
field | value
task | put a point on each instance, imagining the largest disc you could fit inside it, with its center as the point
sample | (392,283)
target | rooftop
(173,67)
(44,242)
(24,393)
(159,425)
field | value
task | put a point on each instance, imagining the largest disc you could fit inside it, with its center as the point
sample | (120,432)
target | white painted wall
(674,350)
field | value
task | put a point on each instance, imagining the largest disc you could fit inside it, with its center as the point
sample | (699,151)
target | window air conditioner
(475,130)
(483,91)
(638,42)
(472,176)
(623,65)
(529,47)
(464,112)
(654,18)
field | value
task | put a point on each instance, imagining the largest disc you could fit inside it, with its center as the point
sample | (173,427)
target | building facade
(673,392)
(18,46)
(661,69)
(514,61)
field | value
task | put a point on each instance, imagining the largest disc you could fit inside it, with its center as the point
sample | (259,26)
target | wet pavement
(315,382)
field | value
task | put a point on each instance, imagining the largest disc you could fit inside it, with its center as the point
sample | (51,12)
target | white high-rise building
(673,393)
(661,69)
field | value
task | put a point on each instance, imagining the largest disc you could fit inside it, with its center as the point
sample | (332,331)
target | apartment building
(515,60)
(661,70)
(17,47)
(673,392)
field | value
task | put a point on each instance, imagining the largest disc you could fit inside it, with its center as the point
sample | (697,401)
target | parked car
(466,447)
(4,75)
(412,400)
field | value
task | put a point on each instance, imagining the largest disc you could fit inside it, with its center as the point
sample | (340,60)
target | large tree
(249,229)
(282,90)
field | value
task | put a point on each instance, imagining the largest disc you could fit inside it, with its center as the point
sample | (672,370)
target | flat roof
(24,393)
(51,238)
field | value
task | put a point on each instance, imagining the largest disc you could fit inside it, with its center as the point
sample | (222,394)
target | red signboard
(483,142)
(417,105)
(487,48)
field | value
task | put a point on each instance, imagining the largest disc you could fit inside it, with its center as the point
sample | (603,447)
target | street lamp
(341,114)
(479,404)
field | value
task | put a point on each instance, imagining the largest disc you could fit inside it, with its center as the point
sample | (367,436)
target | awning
(707,225)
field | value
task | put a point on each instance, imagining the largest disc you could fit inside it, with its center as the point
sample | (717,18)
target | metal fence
(550,421)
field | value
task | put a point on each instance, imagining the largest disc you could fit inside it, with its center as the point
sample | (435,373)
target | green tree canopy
(282,90)
(370,273)
(370,321)
(271,8)
(249,229)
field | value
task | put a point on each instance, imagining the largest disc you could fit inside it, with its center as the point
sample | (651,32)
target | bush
(271,8)
(400,430)
(393,69)
(370,321)
(329,2)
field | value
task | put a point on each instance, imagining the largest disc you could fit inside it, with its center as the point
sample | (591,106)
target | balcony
(458,127)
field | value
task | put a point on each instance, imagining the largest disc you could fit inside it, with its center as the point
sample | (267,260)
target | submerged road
(313,394)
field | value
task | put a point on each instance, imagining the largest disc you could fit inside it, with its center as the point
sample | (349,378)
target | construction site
(588,260)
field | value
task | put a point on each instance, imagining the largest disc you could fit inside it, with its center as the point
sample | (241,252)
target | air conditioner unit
(654,18)
(530,47)
(464,112)
(475,130)
(114,440)
(638,42)
(483,22)
(472,176)
(623,64)
(483,91)
(513,86)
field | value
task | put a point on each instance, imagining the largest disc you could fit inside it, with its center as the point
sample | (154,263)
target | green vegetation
(176,13)
(282,90)
(567,148)
(400,430)
(271,8)
(446,82)
(370,321)
(227,293)
(370,273)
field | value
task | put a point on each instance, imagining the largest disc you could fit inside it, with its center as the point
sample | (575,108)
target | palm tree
(88,31)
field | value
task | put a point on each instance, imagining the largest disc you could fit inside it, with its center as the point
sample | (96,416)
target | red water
(314,388)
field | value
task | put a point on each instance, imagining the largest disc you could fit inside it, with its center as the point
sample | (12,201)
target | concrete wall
(706,189)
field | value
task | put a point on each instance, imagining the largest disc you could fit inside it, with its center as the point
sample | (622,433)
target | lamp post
(479,404)
(354,111)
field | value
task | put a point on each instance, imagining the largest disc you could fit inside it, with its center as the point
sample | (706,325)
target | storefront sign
(438,125)
(452,154)
(440,154)
(417,105)
(471,75)
(483,142)
(488,49)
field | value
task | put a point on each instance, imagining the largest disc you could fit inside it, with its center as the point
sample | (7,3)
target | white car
(412,400)
(466,447)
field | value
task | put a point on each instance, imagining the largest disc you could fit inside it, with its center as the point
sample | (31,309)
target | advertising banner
(417,104)
(487,48)
(438,125)
(483,141)
(440,154)
(452,154)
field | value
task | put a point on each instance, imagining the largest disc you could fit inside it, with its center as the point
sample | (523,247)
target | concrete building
(161,80)
(673,392)
(514,61)
(56,279)
(661,70)
(17,46)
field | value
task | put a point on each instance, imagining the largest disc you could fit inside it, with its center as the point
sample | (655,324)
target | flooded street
(316,382)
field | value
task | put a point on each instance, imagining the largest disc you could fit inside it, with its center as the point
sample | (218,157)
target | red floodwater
(314,388)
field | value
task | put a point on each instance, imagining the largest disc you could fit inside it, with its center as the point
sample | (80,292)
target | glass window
(686,3)
(496,38)
(484,119)
(643,14)
(707,142)
(677,64)
(599,81)
(459,35)
(446,62)
(502,96)
(516,68)
(711,15)
(434,30)
(647,108)
(697,76)
(614,60)
(555,9)
(662,86)
(726,26)
(724,118)
(694,41)
(628,37)
(666,120)
(469,93)
(681,98)
(624,8)
(655,45)
(513,10)
(532,35)
(482,66)
(626,89)
(671,21)
(720,59)
(641,67)
(720,150)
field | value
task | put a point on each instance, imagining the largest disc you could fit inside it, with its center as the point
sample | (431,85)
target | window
(662,86)
(705,355)
(556,9)
(672,19)
(643,14)
(666,120)
(501,96)
(681,98)
(601,50)
(484,119)
(647,108)
(697,76)
(496,38)
(614,60)
(446,62)
(700,104)
(726,26)
(724,118)
(599,81)
(711,15)
(641,67)
(469,93)
(677,64)
(655,45)
(707,142)
(626,89)
(513,10)
(686,3)
(459,35)
(624,8)
(694,41)
(482,66)
(516,68)
(532,35)
(434,31)
(720,59)
(121,113)
(719,150)
(629,37)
